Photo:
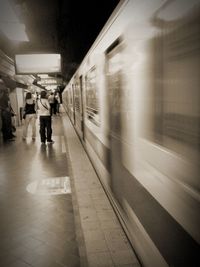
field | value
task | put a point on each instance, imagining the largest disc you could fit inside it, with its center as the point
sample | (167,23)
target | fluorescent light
(50,87)
(48,81)
(38,63)
(43,75)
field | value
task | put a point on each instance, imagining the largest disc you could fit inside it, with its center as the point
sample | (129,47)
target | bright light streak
(177,9)
(15,32)
(10,24)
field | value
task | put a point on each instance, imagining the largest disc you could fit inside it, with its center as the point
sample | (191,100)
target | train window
(176,83)
(113,45)
(77,97)
(70,96)
(114,82)
(67,98)
(92,97)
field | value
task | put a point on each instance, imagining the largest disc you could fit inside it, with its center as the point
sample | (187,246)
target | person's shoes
(23,138)
(42,143)
(50,142)
(9,140)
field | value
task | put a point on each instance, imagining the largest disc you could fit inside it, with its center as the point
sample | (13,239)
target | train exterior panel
(134,102)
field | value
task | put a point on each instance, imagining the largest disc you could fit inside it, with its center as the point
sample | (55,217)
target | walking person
(29,116)
(57,107)
(45,119)
(55,104)
(51,99)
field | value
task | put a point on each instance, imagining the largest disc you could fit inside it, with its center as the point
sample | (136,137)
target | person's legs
(55,108)
(58,108)
(51,109)
(25,127)
(42,129)
(49,129)
(33,124)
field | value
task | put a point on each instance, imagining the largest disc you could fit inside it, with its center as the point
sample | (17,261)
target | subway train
(134,102)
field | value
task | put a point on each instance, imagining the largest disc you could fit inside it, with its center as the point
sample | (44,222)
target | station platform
(54,211)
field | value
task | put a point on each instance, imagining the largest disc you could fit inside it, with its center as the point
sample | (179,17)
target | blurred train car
(135,104)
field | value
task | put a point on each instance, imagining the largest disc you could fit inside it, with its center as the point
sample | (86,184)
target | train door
(82,108)
(115,82)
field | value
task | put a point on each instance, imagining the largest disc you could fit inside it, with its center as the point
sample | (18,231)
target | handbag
(12,112)
(24,112)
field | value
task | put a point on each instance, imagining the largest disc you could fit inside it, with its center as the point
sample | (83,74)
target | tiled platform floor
(69,230)
(35,230)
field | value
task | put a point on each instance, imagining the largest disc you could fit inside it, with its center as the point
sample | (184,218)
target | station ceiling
(68,27)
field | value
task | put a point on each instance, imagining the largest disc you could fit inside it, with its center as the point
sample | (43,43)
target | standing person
(55,104)
(29,116)
(57,97)
(45,119)
(51,99)
(5,113)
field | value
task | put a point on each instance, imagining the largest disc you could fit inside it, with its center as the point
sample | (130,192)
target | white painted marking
(50,186)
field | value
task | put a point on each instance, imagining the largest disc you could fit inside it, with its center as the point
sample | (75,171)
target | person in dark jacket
(5,111)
